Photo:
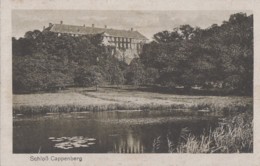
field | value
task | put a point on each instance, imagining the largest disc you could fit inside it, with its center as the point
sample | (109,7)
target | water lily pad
(68,147)
(65,147)
(91,143)
(76,145)
(82,141)
(72,142)
(57,140)
(91,139)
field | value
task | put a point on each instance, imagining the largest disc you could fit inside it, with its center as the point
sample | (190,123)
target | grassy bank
(83,99)
(233,135)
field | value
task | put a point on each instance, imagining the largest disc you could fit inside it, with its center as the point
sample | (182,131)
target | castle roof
(83,30)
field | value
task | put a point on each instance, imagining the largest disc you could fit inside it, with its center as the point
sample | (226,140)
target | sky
(146,22)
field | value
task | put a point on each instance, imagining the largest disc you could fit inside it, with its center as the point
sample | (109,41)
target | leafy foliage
(190,56)
(44,61)
(89,77)
(186,56)
(135,73)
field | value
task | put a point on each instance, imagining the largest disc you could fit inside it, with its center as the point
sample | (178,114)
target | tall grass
(233,135)
(179,108)
(76,100)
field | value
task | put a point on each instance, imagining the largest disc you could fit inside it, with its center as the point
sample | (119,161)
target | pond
(106,132)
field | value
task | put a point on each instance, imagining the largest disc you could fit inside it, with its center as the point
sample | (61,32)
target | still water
(105,132)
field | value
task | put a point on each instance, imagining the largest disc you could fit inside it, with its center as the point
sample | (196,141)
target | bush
(93,75)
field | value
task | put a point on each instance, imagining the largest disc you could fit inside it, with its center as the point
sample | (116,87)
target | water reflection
(113,131)
(129,145)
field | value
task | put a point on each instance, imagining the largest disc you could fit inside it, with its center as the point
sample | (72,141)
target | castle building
(124,44)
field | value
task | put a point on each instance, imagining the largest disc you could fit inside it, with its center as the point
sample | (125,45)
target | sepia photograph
(132,81)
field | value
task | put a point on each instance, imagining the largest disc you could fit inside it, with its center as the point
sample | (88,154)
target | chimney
(84,25)
(132,29)
(43,27)
(61,22)
(106,26)
(93,25)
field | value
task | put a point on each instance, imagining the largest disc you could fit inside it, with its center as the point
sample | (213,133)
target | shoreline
(81,100)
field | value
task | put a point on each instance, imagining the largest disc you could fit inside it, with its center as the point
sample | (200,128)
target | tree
(184,56)
(44,60)
(190,56)
(38,73)
(135,73)
(163,37)
(186,31)
(89,77)
(116,76)
(151,76)
(32,34)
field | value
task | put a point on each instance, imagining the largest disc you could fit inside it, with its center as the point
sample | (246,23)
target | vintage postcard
(129,83)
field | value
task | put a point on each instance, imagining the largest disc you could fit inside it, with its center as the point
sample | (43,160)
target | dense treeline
(219,56)
(44,61)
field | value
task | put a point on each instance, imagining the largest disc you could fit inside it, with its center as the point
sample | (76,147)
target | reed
(178,108)
(233,135)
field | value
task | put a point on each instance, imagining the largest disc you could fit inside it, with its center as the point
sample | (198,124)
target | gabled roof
(83,30)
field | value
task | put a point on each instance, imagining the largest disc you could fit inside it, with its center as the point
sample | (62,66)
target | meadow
(105,99)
